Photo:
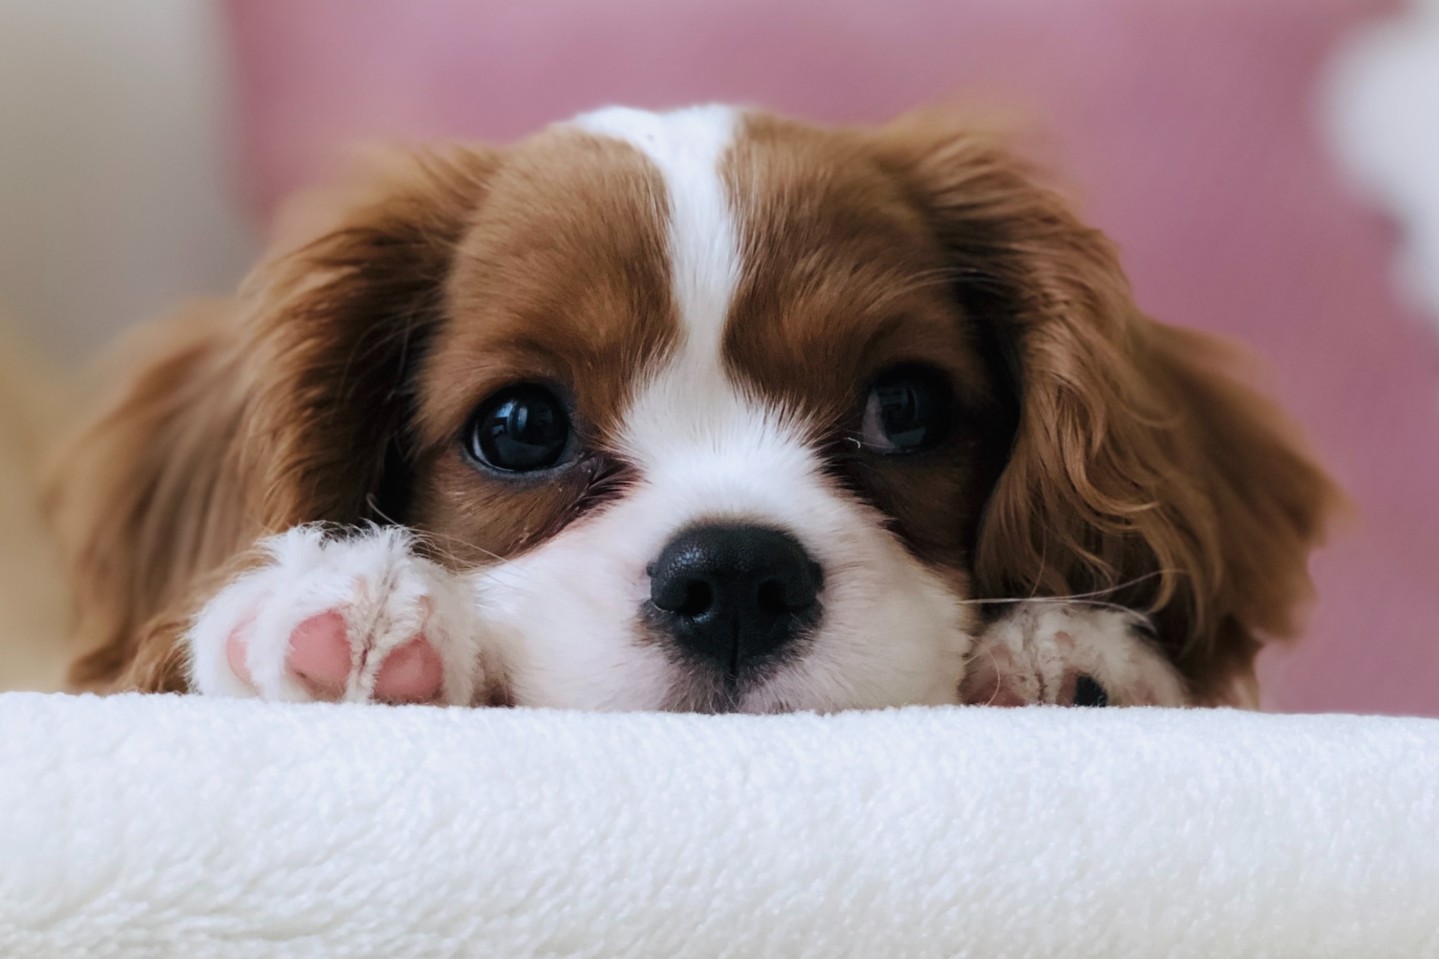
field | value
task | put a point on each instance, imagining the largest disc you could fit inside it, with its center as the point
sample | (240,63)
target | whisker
(1092,598)
(430,538)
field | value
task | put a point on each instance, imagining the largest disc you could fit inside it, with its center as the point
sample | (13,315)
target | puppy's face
(704,386)
(718,411)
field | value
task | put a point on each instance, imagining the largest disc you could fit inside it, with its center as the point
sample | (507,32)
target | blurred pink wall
(1189,128)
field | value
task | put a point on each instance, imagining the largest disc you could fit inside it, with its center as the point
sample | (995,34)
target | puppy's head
(728,412)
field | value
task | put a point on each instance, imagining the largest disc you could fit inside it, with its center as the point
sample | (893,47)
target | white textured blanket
(140,826)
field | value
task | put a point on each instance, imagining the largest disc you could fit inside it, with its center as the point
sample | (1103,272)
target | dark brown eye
(908,410)
(521,429)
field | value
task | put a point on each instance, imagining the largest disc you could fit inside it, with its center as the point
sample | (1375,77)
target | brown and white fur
(279,503)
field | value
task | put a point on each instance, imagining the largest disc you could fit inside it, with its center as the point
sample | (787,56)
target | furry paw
(357,618)
(1069,655)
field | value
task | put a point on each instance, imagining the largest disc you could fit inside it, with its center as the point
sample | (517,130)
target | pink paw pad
(411,674)
(320,655)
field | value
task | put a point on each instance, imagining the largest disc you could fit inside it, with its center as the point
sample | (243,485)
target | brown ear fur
(1140,468)
(336,328)
(148,491)
(283,406)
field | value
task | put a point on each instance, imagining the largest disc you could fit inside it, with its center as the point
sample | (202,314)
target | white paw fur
(1037,650)
(385,594)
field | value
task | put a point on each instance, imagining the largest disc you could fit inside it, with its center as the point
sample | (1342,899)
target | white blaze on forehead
(706,447)
(688,147)
(690,401)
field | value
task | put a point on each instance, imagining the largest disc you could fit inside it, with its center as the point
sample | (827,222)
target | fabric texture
(138,826)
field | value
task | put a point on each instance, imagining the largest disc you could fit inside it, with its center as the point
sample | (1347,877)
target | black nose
(734,594)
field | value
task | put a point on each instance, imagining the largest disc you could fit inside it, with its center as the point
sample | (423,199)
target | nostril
(792,591)
(698,598)
(770,597)
(689,596)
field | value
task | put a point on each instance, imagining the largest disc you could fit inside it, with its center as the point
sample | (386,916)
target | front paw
(357,618)
(1068,654)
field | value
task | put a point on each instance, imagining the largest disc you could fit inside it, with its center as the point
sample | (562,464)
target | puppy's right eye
(907,411)
(520,429)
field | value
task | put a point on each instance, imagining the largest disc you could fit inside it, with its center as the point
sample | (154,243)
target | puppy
(703,410)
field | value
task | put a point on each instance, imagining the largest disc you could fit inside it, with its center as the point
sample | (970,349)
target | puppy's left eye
(519,430)
(908,410)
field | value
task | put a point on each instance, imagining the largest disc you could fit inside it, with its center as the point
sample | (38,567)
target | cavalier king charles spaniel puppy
(702,410)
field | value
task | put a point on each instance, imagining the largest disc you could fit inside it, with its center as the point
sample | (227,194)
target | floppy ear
(149,490)
(285,405)
(337,328)
(1139,467)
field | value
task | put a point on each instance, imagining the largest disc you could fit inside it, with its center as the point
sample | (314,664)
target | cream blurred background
(116,197)
(116,201)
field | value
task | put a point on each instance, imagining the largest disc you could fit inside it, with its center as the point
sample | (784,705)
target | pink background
(1189,128)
